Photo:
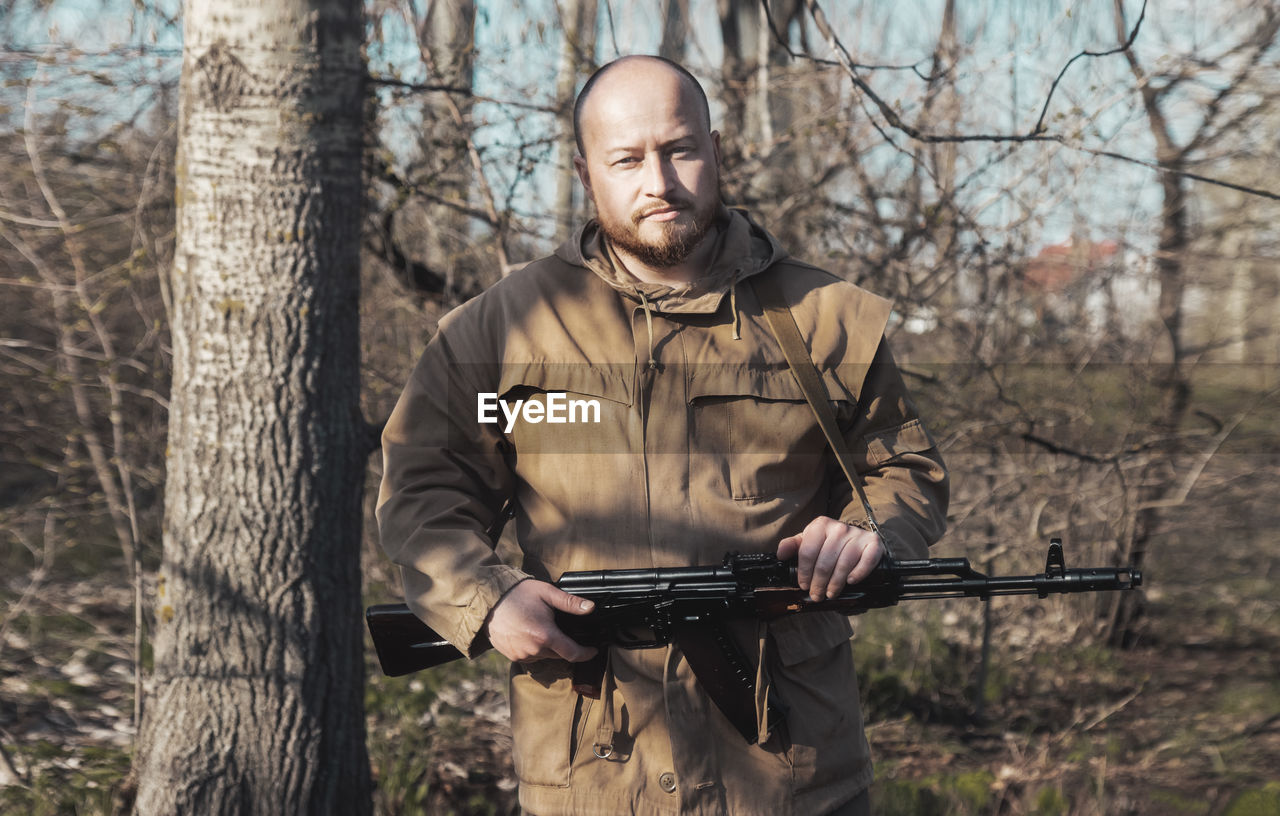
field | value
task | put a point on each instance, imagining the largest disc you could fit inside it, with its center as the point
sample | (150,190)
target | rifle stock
(404,643)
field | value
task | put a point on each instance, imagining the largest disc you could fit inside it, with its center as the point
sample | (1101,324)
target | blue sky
(1014,50)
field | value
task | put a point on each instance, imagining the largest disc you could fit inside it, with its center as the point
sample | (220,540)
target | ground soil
(1185,722)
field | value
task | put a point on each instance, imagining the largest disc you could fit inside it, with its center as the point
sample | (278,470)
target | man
(629,400)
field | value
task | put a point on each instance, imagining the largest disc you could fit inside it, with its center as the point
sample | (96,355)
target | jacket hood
(743,249)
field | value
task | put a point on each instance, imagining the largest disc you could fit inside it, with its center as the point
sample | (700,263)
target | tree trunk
(675,29)
(1174,385)
(450,39)
(942,111)
(739,30)
(577,57)
(258,679)
(758,107)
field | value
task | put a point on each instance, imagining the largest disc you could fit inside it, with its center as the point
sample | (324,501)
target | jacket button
(667,782)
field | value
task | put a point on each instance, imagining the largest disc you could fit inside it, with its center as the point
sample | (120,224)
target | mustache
(640,215)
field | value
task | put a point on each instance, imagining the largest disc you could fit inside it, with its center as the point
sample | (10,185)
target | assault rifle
(646,608)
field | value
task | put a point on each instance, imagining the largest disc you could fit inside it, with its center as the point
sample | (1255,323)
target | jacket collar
(743,249)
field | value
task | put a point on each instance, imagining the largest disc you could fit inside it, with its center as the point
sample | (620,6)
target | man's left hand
(830,555)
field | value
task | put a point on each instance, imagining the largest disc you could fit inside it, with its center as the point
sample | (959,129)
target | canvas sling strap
(782,322)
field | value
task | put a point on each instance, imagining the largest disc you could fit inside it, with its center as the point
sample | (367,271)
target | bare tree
(675,29)
(577,58)
(447,41)
(256,704)
(758,94)
(1172,258)
(82,357)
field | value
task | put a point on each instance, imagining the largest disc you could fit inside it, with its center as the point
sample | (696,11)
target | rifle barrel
(1089,579)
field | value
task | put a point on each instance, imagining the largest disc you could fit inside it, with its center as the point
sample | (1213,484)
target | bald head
(627,73)
(650,164)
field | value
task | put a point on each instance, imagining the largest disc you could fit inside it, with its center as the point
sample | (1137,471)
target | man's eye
(627,160)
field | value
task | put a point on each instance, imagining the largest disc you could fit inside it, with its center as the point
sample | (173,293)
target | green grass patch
(64,626)
(1249,699)
(58,688)
(968,792)
(65,783)
(1050,802)
(906,798)
(905,666)
(1175,804)
(1264,801)
(405,723)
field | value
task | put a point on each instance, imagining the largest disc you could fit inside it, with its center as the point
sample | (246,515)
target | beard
(675,241)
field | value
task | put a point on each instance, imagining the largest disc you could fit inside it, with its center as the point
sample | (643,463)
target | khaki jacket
(679,435)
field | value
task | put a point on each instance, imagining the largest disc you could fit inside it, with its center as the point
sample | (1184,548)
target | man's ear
(580,166)
(715,145)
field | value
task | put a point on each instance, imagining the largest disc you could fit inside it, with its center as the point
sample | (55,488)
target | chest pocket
(559,408)
(758,421)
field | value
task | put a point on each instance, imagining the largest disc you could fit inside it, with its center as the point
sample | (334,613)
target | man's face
(650,164)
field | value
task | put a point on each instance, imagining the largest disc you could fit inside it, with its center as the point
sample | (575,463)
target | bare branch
(781,40)
(1123,47)
(1261,41)
(1163,168)
(1037,134)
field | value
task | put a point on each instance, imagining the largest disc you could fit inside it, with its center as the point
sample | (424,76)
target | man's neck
(691,268)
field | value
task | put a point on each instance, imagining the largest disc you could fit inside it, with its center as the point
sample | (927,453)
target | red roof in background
(1057,265)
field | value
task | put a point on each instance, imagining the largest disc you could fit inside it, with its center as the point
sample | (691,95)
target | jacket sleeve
(445,480)
(902,471)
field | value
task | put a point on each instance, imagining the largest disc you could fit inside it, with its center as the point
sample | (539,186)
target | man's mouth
(663,213)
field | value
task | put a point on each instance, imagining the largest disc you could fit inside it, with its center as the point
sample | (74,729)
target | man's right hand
(522,625)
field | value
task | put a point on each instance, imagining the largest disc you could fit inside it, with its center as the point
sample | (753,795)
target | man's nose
(659,177)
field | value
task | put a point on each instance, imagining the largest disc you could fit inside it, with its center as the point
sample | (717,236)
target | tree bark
(942,111)
(758,98)
(1174,386)
(577,58)
(257,689)
(675,29)
(449,33)
(740,27)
